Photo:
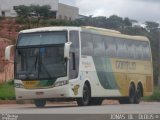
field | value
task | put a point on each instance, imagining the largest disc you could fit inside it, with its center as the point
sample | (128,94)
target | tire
(96,101)
(132,94)
(138,94)
(85,100)
(40,103)
(131,98)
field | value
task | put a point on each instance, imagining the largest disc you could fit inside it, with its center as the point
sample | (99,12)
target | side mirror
(67,49)
(8,52)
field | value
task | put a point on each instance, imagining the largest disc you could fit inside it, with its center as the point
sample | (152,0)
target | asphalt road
(72,108)
(70,111)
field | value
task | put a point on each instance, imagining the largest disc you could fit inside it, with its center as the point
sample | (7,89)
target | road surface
(72,108)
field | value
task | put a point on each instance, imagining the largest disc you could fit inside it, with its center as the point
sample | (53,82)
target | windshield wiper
(35,64)
(41,64)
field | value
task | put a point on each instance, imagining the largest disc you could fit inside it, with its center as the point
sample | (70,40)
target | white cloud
(139,10)
(142,10)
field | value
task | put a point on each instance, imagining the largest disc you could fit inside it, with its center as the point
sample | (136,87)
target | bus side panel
(136,71)
(100,76)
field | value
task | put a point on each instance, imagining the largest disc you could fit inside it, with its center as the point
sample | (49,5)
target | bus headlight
(18,85)
(60,83)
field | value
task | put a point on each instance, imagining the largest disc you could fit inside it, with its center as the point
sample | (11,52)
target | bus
(84,64)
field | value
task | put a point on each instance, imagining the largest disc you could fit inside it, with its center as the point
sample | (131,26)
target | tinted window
(146,51)
(44,38)
(87,44)
(121,48)
(110,46)
(98,45)
(131,47)
(138,50)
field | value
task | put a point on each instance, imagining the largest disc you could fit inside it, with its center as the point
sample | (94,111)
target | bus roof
(89,29)
(112,33)
(44,29)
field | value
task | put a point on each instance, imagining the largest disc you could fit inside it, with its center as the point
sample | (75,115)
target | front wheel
(96,101)
(84,101)
(40,103)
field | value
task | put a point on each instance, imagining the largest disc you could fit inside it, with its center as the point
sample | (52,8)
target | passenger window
(98,46)
(131,47)
(87,44)
(110,46)
(121,48)
(138,50)
(146,51)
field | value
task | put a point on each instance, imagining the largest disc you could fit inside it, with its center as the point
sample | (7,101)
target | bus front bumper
(56,92)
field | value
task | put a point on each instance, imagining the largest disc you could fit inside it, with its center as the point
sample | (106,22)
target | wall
(67,12)
(6,67)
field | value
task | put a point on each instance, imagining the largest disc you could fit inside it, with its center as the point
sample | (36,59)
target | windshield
(40,56)
(40,63)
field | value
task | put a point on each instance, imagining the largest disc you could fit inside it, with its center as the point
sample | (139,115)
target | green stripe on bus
(105,73)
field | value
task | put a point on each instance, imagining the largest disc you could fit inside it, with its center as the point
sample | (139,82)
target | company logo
(75,89)
(125,65)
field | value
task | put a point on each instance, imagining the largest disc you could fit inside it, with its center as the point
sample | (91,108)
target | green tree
(42,11)
(33,14)
(34,10)
(151,25)
(22,11)
(127,22)
(114,22)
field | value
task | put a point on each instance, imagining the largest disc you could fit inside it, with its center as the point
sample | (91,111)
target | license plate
(30,84)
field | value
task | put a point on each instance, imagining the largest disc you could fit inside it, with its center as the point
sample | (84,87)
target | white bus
(85,64)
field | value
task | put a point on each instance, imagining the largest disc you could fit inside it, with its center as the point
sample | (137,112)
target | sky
(140,10)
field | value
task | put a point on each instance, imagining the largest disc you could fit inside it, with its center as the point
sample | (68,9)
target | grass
(7,91)
(155,96)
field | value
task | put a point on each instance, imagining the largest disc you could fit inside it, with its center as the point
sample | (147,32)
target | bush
(155,96)
(7,91)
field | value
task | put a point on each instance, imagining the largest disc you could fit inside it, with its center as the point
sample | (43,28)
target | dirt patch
(6,67)
(7,102)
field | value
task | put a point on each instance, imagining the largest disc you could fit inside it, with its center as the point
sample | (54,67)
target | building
(62,11)
(7,6)
(67,12)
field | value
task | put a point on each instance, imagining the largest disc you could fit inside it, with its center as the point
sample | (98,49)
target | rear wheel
(131,98)
(40,103)
(84,101)
(138,94)
(132,94)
